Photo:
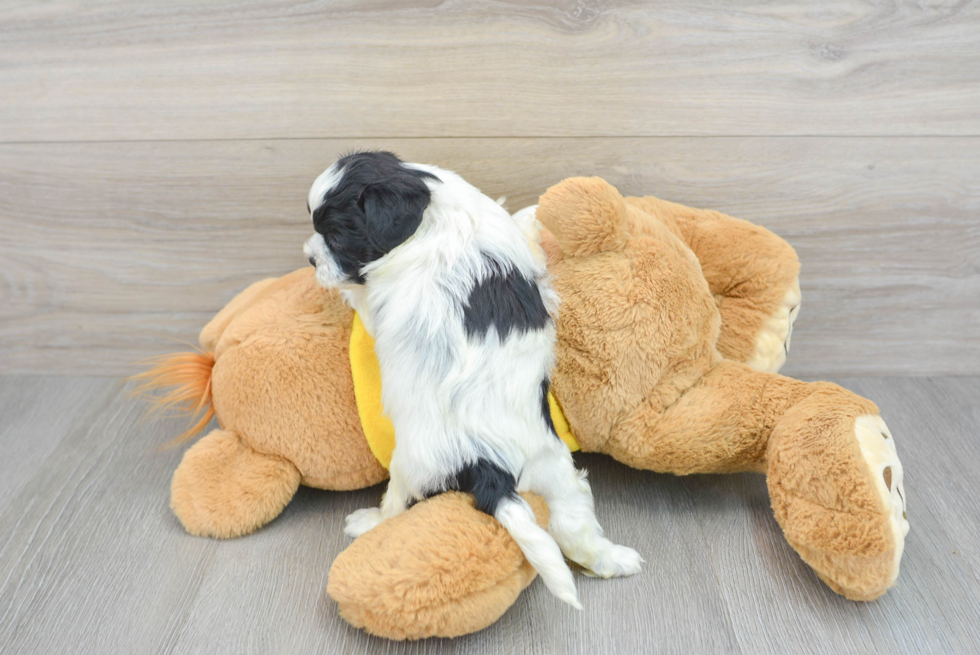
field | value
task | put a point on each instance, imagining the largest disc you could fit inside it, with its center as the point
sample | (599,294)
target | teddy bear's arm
(752,273)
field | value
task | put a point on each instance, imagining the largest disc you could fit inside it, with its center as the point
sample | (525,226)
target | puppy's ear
(393,209)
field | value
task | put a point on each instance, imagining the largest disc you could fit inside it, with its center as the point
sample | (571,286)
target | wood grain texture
(92,561)
(378,68)
(111,251)
(36,412)
(287,565)
(778,605)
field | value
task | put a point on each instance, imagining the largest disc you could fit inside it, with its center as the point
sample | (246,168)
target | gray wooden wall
(155,159)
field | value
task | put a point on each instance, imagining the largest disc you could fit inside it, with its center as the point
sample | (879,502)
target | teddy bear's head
(637,324)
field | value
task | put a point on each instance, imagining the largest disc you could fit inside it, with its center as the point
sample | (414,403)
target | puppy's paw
(361,521)
(614,561)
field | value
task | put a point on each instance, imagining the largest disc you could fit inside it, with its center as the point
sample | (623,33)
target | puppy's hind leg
(494,493)
(573,523)
(538,547)
(395,502)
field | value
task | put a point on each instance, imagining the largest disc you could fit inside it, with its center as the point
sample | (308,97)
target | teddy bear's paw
(773,340)
(614,561)
(878,448)
(362,520)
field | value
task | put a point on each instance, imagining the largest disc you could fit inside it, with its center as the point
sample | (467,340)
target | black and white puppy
(460,306)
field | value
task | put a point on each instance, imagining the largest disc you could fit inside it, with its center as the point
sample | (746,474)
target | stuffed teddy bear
(672,324)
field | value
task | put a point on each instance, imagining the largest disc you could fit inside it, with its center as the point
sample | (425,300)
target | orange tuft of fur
(188,376)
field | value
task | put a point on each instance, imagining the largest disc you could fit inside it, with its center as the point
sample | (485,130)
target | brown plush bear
(672,324)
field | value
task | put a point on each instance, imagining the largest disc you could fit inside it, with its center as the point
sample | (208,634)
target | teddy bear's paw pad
(878,448)
(362,520)
(613,561)
(773,341)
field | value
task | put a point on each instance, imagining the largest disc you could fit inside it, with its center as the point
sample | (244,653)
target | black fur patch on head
(546,407)
(507,301)
(488,483)
(375,207)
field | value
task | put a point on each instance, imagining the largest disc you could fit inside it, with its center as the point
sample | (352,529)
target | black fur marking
(376,206)
(488,483)
(546,408)
(507,301)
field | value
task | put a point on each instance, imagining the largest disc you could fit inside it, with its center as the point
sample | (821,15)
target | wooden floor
(92,560)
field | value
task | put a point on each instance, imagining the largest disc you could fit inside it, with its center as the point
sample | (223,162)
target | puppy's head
(363,207)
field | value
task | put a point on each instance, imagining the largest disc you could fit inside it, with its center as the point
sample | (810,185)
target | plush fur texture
(709,415)
(760,296)
(460,310)
(281,382)
(479,568)
(224,488)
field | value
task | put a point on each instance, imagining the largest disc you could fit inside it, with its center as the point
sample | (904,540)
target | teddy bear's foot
(879,453)
(614,561)
(440,569)
(224,489)
(751,272)
(835,482)
(362,520)
(772,342)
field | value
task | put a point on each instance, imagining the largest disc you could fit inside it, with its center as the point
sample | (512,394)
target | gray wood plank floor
(92,560)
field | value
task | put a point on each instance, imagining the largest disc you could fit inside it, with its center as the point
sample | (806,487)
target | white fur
(324,182)
(454,399)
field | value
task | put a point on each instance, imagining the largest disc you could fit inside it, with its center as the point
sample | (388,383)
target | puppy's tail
(189,377)
(540,549)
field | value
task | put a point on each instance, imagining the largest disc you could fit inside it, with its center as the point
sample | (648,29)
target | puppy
(461,310)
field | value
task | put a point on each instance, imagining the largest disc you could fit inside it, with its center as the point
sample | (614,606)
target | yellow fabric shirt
(378,430)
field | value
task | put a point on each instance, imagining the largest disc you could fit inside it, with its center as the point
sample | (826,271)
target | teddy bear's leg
(223,488)
(834,477)
(752,273)
(282,380)
(440,569)
(835,483)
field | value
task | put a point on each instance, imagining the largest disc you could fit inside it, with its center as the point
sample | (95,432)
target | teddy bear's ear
(586,215)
